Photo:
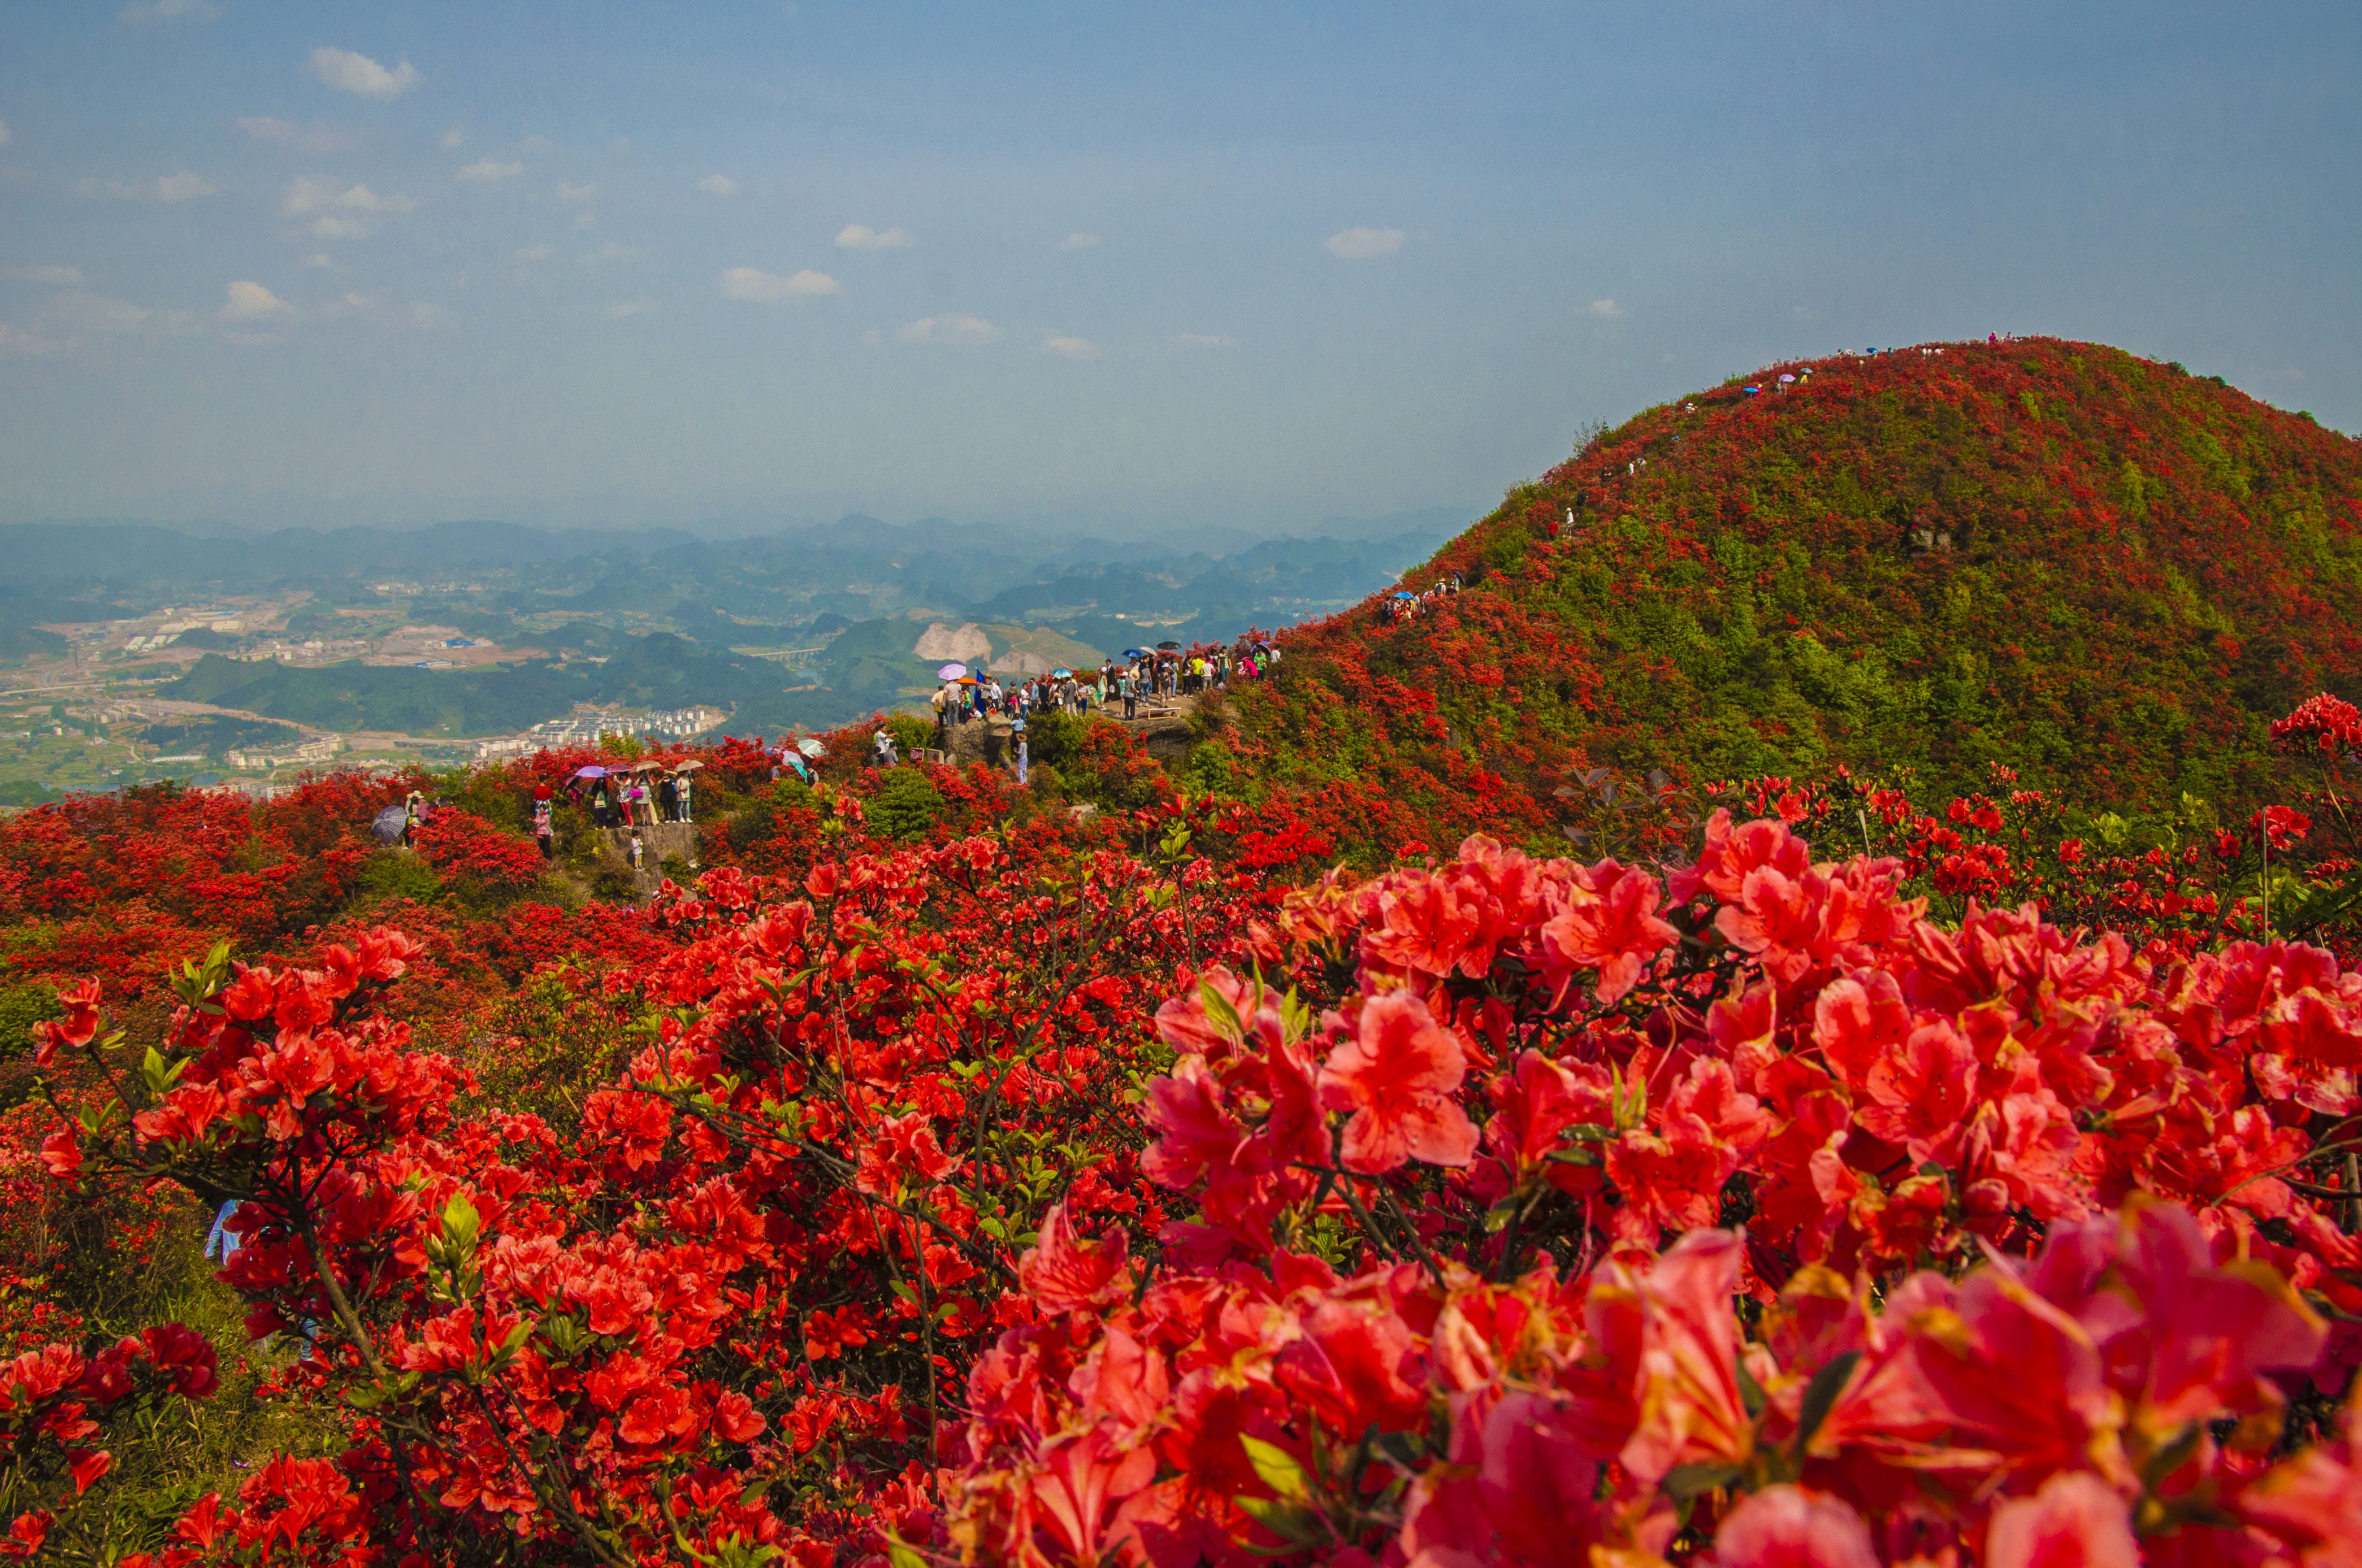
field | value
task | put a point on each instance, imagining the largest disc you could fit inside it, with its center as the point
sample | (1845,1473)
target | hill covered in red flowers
(2101,571)
(1856,1157)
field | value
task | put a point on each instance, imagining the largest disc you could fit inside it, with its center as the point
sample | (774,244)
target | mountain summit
(2102,571)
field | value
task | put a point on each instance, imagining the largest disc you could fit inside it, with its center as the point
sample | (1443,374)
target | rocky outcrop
(966,643)
(665,840)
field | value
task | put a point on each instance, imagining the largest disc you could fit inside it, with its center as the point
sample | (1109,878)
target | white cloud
(1206,340)
(1070,347)
(486,171)
(1361,243)
(16,340)
(72,316)
(136,15)
(1607,309)
(253,302)
(181,187)
(317,259)
(343,211)
(69,275)
(309,194)
(426,317)
(315,137)
(949,329)
(450,139)
(94,313)
(619,309)
(861,237)
(768,288)
(535,146)
(348,72)
(576,192)
(611,251)
(1079,240)
(536,253)
(718,185)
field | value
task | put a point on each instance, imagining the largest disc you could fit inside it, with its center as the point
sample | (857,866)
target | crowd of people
(1143,678)
(640,796)
(1405,605)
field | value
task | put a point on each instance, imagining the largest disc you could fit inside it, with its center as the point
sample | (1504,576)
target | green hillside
(2103,570)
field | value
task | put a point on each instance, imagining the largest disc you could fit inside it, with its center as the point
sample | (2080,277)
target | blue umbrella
(1402,594)
(1062,674)
(1136,652)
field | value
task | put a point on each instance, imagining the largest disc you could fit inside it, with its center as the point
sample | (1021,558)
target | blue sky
(1106,265)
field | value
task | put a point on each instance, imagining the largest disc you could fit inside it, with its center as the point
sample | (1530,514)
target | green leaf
(1278,1469)
(1290,1520)
(2172,1456)
(1687,1481)
(1751,1392)
(1821,1393)
(461,1225)
(1219,1010)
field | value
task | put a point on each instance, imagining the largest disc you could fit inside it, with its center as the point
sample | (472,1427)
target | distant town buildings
(319,748)
(584,726)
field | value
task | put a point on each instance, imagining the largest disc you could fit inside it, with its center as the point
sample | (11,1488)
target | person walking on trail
(668,798)
(1024,756)
(885,757)
(687,780)
(637,852)
(544,836)
(413,812)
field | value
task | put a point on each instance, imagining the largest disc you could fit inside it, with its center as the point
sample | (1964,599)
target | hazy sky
(1103,263)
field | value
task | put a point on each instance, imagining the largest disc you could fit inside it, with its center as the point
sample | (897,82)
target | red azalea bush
(2038,1239)
(465,848)
(1063,1189)
(771,1249)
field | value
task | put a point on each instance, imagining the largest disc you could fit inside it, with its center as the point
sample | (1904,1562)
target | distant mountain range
(809,627)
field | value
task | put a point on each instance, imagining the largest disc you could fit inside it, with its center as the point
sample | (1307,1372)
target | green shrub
(753,826)
(392,874)
(1212,767)
(910,731)
(1056,738)
(905,805)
